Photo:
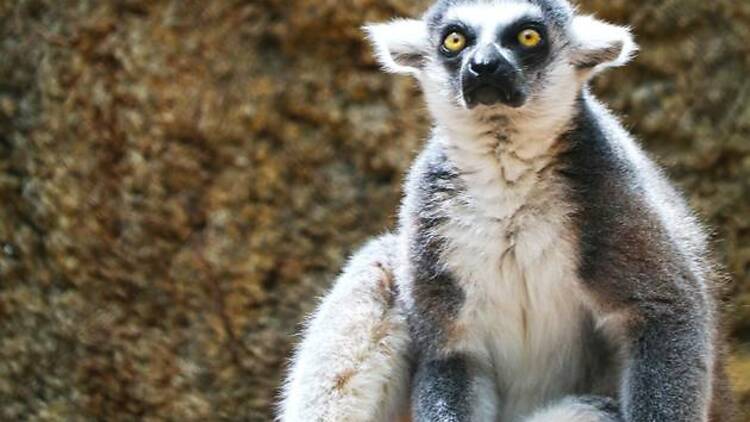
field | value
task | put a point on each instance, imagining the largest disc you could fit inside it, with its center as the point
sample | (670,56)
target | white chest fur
(510,246)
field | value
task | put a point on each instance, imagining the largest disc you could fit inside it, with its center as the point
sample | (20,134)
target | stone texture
(181,179)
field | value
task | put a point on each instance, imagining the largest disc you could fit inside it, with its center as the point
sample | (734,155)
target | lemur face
(492,53)
(501,56)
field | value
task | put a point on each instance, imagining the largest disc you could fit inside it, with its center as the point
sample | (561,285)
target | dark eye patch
(456,27)
(529,57)
(453,61)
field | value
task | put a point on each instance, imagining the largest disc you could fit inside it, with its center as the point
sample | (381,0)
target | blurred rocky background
(179,180)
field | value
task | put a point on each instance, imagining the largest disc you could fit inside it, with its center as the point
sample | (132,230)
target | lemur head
(511,57)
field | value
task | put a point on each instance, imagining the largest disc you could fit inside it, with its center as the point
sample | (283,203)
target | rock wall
(181,179)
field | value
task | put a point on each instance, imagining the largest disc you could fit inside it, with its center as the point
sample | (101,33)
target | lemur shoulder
(544,269)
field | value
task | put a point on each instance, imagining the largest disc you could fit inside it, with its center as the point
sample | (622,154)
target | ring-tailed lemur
(545,268)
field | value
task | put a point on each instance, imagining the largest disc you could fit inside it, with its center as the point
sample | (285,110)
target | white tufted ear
(400,45)
(598,45)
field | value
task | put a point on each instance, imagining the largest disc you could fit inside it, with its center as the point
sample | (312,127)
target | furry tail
(580,409)
(353,363)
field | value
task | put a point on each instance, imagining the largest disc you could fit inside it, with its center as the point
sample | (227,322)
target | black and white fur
(546,268)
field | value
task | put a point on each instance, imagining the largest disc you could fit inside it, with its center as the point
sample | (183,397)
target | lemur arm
(668,376)
(667,324)
(353,362)
(441,390)
(451,383)
(641,258)
(668,345)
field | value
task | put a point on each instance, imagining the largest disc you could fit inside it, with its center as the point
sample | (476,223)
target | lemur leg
(580,409)
(353,362)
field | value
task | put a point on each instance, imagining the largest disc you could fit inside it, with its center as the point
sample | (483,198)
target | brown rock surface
(181,179)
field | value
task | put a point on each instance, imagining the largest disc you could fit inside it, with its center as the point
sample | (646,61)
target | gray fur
(634,260)
(442,390)
(437,296)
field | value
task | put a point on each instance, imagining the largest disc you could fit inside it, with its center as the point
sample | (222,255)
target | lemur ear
(400,45)
(598,45)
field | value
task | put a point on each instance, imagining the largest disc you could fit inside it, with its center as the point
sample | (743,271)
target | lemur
(543,270)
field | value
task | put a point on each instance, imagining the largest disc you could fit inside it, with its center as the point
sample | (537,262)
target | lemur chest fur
(510,246)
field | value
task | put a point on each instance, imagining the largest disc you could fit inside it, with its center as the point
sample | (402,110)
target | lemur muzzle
(489,79)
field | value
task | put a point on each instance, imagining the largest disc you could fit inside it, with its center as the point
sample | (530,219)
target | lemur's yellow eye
(529,38)
(455,42)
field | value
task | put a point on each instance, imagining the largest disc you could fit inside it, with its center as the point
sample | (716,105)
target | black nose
(484,65)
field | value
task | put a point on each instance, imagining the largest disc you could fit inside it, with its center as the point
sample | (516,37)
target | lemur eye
(529,38)
(454,42)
